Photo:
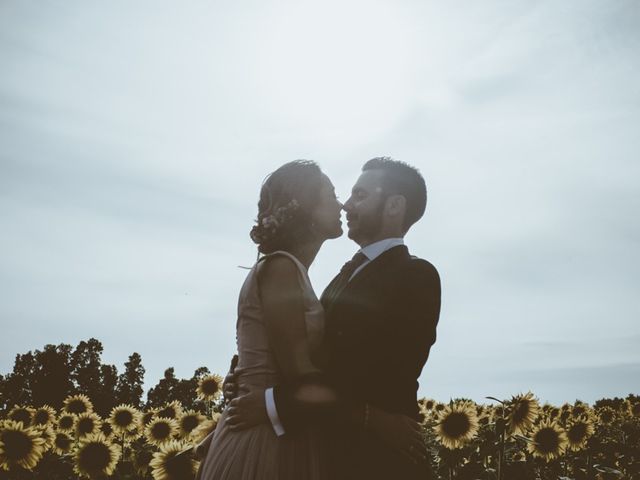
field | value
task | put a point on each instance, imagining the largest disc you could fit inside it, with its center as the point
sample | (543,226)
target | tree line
(48,376)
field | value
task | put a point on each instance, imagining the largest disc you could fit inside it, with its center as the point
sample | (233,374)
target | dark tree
(130,382)
(183,390)
(165,390)
(2,397)
(50,375)
(51,381)
(106,392)
(16,388)
(85,363)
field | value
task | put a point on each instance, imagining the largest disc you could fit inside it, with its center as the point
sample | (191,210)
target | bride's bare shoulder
(276,268)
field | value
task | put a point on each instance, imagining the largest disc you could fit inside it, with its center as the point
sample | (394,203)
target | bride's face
(326,216)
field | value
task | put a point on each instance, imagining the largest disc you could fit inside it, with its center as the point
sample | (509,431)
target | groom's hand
(247,410)
(400,433)
(230,386)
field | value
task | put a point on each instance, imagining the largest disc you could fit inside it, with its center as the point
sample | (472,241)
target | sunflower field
(511,439)
(76,437)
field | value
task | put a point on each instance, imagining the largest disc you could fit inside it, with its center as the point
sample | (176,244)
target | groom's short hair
(400,178)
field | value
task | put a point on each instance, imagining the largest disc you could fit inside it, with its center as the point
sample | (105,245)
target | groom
(381,313)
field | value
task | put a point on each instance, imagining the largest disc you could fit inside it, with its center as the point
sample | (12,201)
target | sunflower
(168,465)
(131,436)
(96,456)
(427,404)
(484,419)
(606,415)
(124,418)
(521,413)
(20,446)
(170,410)
(554,412)
(548,441)
(634,408)
(148,416)
(77,404)
(62,443)
(209,387)
(161,430)
(439,407)
(44,415)
(579,409)
(578,432)
(457,425)
(48,435)
(87,423)
(188,421)
(21,414)
(205,428)
(66,422)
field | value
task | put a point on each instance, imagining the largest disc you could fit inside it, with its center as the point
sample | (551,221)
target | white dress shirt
(372,252)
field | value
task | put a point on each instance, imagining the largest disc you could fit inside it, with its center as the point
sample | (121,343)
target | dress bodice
(256,361)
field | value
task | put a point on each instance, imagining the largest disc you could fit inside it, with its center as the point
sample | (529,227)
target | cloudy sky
(134,137)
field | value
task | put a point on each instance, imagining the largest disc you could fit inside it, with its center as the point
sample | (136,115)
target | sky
(134,138)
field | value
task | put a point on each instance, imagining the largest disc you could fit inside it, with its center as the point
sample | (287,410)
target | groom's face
(365,208)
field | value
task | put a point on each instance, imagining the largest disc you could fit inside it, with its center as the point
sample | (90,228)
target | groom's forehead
(369,180)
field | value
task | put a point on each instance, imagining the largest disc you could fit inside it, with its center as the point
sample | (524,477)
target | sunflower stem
(501,452)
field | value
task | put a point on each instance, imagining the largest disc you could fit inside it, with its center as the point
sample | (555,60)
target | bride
(280,325)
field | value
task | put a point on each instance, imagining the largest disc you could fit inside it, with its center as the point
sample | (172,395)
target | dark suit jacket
(379,331)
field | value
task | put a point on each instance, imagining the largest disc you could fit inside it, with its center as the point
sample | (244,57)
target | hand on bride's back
(229,386)
(247,410)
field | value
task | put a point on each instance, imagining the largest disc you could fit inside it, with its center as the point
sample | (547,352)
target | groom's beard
(368,225)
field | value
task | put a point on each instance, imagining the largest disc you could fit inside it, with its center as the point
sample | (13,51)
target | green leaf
(522,437)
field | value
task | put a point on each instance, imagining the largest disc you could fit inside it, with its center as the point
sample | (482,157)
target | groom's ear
(396,205)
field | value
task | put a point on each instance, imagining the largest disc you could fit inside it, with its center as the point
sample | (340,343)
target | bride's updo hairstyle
(287,199)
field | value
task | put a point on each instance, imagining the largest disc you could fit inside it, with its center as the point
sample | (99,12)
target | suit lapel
(373,268)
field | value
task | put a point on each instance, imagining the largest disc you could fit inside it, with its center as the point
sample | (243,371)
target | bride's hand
(247,410)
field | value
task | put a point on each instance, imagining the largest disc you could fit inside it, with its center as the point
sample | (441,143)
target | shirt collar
(378,248)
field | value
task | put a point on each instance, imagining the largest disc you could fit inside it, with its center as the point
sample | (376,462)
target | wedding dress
(257,453)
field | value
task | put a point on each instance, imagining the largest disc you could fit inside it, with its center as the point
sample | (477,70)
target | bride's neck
(306,253)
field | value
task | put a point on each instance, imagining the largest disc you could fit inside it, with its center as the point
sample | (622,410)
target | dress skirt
(258,454)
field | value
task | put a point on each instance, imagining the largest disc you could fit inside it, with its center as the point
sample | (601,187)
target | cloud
(130,165)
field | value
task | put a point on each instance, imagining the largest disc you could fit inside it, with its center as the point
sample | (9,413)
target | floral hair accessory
(269,225)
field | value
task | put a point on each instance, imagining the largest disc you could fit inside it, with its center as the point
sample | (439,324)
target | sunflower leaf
(494,398)
(522,437)
(603,469)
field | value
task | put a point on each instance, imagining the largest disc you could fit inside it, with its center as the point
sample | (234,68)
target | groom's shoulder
(417,267)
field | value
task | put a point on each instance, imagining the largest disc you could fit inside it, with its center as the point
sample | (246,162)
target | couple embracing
(327,389)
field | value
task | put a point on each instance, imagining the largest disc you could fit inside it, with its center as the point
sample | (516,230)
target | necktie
(340,281)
